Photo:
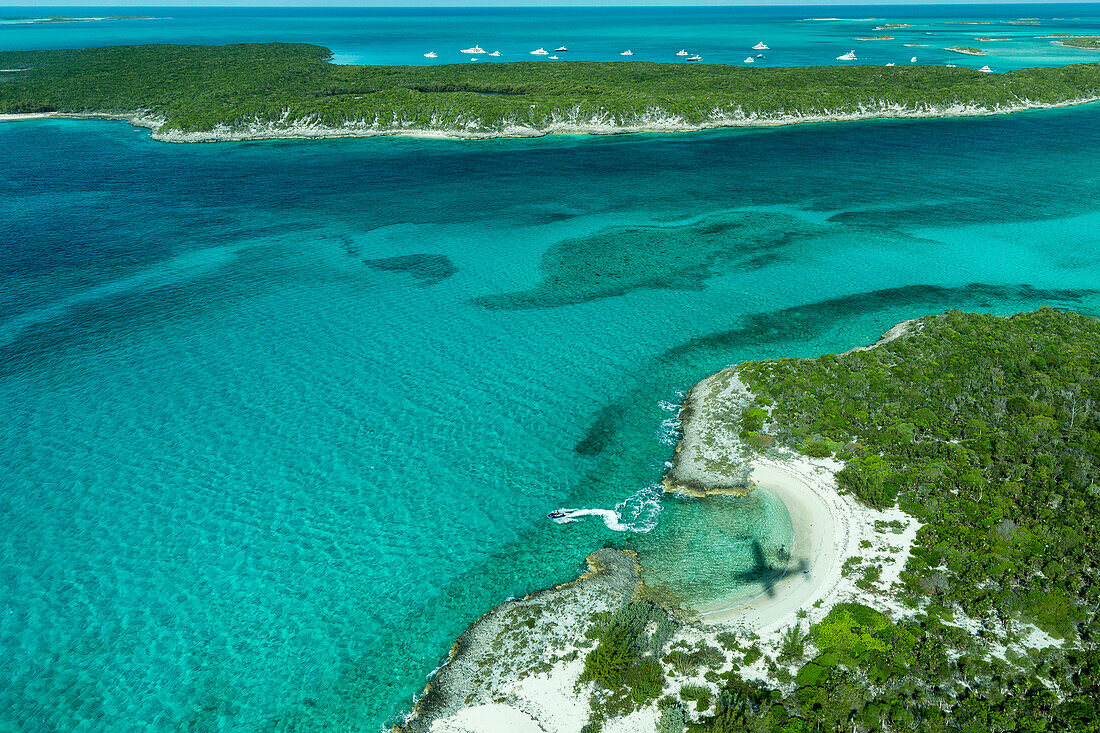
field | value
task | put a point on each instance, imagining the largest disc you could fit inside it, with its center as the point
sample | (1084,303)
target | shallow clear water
(718,34)
(253,476)
(282,418)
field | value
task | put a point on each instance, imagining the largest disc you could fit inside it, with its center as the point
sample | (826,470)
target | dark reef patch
(805,321)
(426,269)
(686,363)
(619,260)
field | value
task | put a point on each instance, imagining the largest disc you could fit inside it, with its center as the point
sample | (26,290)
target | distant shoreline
(659,124)
(285,91)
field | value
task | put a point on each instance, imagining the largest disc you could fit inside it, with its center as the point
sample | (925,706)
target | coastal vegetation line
(984,429)
(201,93)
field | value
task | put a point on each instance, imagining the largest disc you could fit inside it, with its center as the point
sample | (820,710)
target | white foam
(636,513)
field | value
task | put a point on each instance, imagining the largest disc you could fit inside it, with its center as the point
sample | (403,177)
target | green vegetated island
(963,450)
(37,20)
(247,91)
(1091,43)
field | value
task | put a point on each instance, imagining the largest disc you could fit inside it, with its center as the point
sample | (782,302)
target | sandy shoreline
(814,543)
(828,527)
(520,667)
(656,122)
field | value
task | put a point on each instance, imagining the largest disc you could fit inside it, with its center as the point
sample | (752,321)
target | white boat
(759,55)
(431,55)
(696,57)
(952,66)
(552,58)
(495,53)
(473,51)
(760,47)
(627,52)
(750,60)
(986,70)
(850,56)
(682,52)
(890,64)
(473,58)
(913,60)
(560,49)
(540,52)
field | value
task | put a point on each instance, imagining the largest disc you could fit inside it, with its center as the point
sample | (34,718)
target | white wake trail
(636,513)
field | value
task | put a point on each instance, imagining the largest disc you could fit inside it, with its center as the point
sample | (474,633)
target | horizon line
(535,4)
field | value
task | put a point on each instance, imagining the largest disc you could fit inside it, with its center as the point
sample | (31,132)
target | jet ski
(556,514)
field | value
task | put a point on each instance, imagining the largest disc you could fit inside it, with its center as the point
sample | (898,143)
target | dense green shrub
(196,88)
(698,694)
(988,430)
(624,661)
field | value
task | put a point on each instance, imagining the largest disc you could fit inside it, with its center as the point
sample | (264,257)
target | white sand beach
(829,528)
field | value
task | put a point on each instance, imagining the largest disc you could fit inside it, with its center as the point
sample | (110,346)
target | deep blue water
(718,34)
(280,419)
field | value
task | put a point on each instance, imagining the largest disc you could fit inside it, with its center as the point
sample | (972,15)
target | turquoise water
(718,34)
(282,418)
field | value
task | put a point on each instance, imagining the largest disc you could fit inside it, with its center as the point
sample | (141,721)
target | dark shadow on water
(426,269)
(620,448)
(804,322)
(679,256)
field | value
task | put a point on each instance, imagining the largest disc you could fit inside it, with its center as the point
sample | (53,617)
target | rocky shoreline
(518,667)
(521,666)
(569,123)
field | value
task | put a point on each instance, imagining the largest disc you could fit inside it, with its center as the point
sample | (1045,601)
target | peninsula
(942,485)
(1090,43)
(252,91)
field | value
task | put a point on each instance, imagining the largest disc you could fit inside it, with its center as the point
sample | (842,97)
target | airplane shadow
(768,575)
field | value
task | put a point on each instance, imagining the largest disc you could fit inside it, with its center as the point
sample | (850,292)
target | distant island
(274,90)
(943,487)
(34,20)
(1091,43)
(966,50)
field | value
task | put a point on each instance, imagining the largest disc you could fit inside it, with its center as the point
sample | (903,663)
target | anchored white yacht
(760,47)
(682,52)
(495,53)
(552,58)
(913,60)
(890,64)
(540,52)
(431,55)
(850,56)
(560,49)
(750,60)
(627,52)
(696,57)
(986,69)
(474,51)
